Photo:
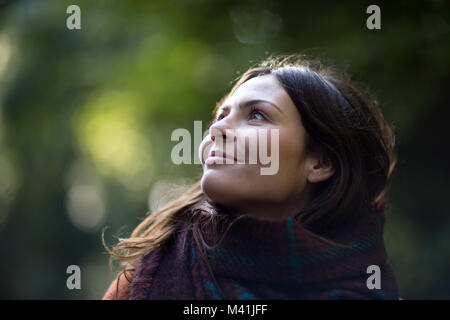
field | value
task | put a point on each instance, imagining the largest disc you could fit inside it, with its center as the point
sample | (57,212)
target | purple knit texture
(269,260)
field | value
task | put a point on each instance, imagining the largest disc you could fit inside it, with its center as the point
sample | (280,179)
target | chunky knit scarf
(270,260)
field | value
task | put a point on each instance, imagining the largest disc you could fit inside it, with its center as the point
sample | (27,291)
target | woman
(312,229)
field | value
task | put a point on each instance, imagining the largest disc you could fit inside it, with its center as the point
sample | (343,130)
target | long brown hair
(343,122)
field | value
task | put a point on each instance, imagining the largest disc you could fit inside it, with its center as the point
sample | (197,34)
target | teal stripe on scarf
(211,287)
(193,253)
(334,252)
(232,257)
(294,258)
(335,294)
(243,293)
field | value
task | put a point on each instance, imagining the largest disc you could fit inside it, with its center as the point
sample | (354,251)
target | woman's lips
(218,157)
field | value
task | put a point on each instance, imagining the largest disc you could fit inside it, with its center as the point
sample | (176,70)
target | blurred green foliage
(86,117)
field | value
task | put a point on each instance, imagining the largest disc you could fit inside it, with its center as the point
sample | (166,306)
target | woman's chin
(219,189)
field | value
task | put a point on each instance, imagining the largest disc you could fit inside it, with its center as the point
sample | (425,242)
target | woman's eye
(256,115)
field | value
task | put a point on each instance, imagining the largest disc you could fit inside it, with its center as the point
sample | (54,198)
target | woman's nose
(223,129)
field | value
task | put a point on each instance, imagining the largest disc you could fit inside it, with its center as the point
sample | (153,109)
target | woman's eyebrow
(249,103)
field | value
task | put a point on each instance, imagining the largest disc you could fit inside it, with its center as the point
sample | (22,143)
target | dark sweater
(269,260)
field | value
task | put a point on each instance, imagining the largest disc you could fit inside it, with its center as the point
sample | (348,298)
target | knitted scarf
(270,260)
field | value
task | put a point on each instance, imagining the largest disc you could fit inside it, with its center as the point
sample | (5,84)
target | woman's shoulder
(119,289)
(134,277)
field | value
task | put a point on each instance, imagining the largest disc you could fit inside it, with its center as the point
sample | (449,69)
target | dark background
(86,117)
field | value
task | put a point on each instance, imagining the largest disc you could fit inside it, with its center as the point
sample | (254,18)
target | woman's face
(242,186)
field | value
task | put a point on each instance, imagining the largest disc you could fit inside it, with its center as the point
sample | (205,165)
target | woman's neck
(267,211)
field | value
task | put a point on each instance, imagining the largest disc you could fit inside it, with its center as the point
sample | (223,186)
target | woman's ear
(319,168)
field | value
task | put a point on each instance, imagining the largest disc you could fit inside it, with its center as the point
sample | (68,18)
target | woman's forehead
(264,87)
